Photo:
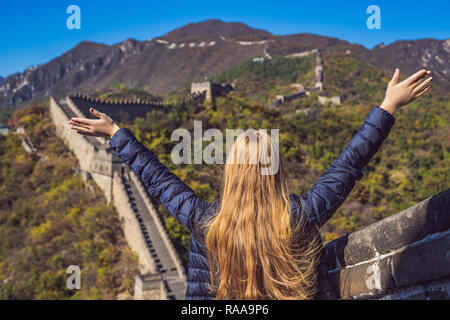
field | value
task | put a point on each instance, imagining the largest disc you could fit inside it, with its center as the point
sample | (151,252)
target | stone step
(176,289)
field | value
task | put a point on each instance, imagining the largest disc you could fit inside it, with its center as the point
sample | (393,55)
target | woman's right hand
(102,127)
(400,94)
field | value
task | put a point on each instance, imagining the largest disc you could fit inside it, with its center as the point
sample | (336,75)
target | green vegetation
(263,81)
(50,219)
(355,80)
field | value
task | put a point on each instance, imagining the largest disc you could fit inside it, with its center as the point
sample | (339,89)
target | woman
(258,242)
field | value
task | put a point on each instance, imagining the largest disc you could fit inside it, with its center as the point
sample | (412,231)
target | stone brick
(394,232)
(359,247)
(363,281)
(424,261)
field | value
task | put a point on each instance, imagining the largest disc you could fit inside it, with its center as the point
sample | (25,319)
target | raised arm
(177,197)
(333,187)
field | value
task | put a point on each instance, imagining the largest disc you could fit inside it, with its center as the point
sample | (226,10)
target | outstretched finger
(423,91)
(80,125)
(81,121)
(82,130)
(416,76)
(423,84)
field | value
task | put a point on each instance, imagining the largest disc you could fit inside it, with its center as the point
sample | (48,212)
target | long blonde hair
(254,249)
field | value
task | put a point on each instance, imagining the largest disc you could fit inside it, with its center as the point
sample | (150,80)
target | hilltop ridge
(214,29)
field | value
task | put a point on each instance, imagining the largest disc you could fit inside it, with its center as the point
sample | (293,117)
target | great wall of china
(318,85)
(203,44)
(162,275)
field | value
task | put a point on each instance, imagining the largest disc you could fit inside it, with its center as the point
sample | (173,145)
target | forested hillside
(262,82)
(50,219)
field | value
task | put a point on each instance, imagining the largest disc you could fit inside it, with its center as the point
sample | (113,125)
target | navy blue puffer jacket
(319,203)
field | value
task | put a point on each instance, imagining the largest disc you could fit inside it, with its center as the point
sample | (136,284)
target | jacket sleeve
(333,187)
(177,197)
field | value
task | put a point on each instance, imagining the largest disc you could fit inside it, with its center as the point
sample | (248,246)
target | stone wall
(149,287)
(77,143)
(404,256)
(318,69)
(93,157)
(157,221)
(318,82)
(336,100)
(131,227)
(302,54)
(202,87)
(209,89)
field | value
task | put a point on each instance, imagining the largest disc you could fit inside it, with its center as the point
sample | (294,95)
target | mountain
(76,68)
(199,50)
(214,29)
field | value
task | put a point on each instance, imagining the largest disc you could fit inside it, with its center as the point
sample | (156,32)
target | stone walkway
(175,286)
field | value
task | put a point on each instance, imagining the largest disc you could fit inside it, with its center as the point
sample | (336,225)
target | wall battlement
(123,110)
(138,102)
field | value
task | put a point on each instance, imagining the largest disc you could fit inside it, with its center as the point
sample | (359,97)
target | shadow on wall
(404,256)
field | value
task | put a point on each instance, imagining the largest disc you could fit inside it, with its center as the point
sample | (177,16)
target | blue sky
(34,32)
